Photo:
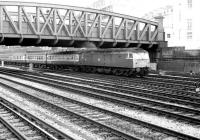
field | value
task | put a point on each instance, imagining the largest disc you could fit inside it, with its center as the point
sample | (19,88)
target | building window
(189,24)
(189,3)
(168,36)
(189,35)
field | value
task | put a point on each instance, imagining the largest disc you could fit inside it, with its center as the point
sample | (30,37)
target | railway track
(138,85)
(16,126)
(112,99)
(77,110)
(147,101)
(113,85)
(94,116)
(176,83)
(175,77)
(157,83)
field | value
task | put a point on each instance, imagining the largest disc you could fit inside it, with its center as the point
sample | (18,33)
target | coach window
(130,55)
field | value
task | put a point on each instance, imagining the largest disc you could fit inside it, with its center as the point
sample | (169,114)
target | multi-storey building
(181,23)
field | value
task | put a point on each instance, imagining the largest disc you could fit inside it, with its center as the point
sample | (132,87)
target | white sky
(140,7)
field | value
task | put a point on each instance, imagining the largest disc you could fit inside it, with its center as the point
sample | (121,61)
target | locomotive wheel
(118,72)
(114,71)
(107,70)
(83,69)
(142,73)
(94,70)
(125,73)
(89,69)
(75,69)
(133,73)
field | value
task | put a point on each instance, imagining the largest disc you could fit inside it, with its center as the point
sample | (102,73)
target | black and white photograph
(99,70)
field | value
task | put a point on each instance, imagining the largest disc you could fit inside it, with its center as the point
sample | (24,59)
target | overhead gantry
(23,23)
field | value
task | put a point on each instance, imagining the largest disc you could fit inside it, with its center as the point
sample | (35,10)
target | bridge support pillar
(30,66)
(161,33)
(2,63)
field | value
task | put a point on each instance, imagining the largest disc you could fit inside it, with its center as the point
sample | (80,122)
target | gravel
(137,114)
(50,117)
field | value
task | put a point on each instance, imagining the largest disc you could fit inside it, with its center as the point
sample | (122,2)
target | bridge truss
(60,25)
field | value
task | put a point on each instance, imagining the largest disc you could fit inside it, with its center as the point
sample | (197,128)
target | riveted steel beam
(13,25)
(29,22)
(78,24)
(107,25)
(45,21)
(62,23)
(57,6)
(144,31)
(120,27)
(132,29)
(93,24)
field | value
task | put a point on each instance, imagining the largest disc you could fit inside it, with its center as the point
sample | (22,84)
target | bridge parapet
(52,24)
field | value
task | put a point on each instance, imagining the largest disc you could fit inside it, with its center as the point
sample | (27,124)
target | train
(116,61)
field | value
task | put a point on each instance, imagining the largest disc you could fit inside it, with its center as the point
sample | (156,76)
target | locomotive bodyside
(107,59)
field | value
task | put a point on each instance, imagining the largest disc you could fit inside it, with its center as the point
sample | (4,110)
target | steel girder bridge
(23,23)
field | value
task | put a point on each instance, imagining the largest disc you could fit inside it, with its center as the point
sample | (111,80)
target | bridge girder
(41,21)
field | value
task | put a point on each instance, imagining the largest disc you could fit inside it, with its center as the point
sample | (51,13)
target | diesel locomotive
(117,61)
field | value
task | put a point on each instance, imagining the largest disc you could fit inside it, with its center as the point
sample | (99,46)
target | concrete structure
(181,23)
(60,25)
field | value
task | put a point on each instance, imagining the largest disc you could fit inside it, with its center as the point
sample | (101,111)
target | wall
(180,60)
